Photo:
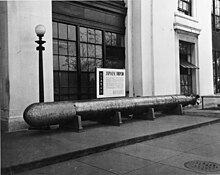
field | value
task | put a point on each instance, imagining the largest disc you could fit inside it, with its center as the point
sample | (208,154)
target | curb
(73,155)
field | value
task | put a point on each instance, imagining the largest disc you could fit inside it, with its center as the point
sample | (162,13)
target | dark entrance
(186,67)
(86,35)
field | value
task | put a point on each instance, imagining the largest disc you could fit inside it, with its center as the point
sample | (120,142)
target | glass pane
(83,34)
(180,4)
(98,36)
(64,98)
(73,79)
(92,80)
(120,40)
(181,80)
(115,52)
(217,7)
(73,97)
(63,79)
(73,91)
(91,50)
(56,91)
(72,64)
(84,97)
(71,32)
(72,48)
(62,31)
(98,51)
(113,39)
(55,34)
(92,65)
(84,79)
(92,91)
(93,95)
(186,90)
(63,62)
(114,63)
(62,48)
(186,80)
(84,64)
(218,73)
(56,79)
(214,66)
(98,63)
(108,39)
(83,50)
(84,90)
(218,85)
(55,63)
(217,56)
(55,46)
(91,36)
(185,6)
(189,81)
(182,89)
(217,22)
(56,98)
(190,90)
(64,91)
(189,49)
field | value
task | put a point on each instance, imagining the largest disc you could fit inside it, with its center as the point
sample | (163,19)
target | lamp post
(40,31)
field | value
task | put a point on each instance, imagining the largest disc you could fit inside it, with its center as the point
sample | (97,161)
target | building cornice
(186,23)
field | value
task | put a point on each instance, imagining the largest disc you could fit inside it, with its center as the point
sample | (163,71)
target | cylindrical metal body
(51,113)
(44,114)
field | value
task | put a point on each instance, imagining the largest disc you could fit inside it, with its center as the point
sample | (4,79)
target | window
(85,36)
(185,7)
(91,56)
(186,67)
(114,50)
(64,62)
(77,51)
(216,71)
(216,15)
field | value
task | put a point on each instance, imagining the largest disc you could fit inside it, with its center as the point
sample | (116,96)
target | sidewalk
(192,152)
(25,150)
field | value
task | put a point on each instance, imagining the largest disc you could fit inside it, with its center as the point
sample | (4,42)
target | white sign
(110,83)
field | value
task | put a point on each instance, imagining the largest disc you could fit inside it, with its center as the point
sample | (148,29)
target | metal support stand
(151,114)
(75,125)
(117,119)
(178,110)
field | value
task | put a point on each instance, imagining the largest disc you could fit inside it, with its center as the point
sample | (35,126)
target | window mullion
(104,48)
(78,61)
(58,42)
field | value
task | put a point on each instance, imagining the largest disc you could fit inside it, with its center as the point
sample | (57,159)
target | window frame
(186,74)
(215,16)
(83,91)
(181,7)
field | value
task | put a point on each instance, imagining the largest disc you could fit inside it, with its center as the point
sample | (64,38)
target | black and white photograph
(110,87)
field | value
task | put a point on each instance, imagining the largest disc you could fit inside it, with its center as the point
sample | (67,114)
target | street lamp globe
(40,30)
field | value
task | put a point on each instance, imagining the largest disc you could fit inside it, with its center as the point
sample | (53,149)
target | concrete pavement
(161,156)
(26,150)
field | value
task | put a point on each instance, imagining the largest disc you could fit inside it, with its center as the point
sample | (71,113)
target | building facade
(165,48)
